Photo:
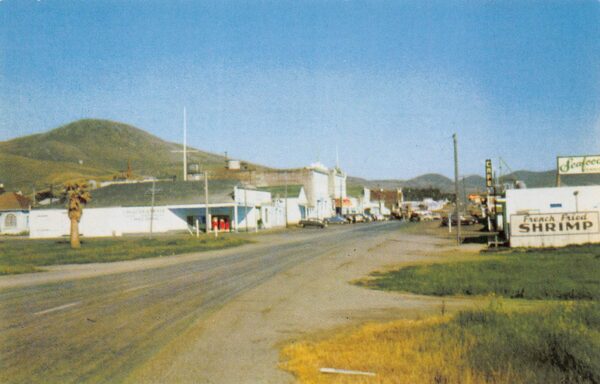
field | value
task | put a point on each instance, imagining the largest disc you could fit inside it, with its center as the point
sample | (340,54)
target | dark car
(336,220)
(313,222)
(464,220)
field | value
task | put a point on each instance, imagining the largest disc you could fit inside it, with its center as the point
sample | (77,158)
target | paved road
(100,329)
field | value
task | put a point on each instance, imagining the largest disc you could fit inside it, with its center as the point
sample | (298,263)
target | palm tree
(76,195)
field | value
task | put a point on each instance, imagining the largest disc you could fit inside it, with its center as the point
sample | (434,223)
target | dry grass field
(541,323)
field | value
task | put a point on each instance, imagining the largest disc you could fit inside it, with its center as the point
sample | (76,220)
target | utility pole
(341,192)
(246,207)
(153,191)
(286,199)
(557,173)
(207,211)
(500,173)
(457,209)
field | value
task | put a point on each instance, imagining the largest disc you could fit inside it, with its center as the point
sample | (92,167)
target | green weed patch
(557,344)
(570,273)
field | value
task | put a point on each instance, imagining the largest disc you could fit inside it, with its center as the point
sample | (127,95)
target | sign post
(489,184)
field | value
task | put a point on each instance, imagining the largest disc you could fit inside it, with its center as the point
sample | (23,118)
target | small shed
(14,213)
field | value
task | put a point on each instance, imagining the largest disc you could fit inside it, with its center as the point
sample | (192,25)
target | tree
(77,195)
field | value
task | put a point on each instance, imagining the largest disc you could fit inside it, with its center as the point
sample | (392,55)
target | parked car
(358,218)
(367,217)
(336,220)
(313,222)
(464,220)
(379,217)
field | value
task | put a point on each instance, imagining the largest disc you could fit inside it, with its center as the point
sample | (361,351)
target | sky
(282,83)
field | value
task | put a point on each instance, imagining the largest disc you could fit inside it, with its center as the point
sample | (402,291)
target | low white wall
(48,223)
(101,222)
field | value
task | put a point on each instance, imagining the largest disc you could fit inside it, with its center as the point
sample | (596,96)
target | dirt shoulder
(240,343)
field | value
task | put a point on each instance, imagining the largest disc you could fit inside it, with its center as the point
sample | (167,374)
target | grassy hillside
(100,149)
(96,149)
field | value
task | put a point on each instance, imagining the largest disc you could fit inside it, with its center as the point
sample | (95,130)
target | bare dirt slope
(240,342)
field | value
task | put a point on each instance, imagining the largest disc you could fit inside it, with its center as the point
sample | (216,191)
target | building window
(10,221)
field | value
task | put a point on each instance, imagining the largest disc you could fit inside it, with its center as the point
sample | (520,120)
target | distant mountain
(429,180)
(476,183)
(548,179)
(96,149)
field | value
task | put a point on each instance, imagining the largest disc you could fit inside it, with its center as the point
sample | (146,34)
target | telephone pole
(457,209)
(153,193)
(207,212)
(286,199)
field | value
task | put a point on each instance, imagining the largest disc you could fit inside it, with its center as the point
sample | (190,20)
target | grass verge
(559,344)
(565,273)
(22,256)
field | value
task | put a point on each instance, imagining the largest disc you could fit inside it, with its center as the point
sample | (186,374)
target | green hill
(91,149)
(101,149)
(476,183)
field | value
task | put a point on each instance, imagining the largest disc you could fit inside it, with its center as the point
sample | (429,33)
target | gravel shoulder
(240,342)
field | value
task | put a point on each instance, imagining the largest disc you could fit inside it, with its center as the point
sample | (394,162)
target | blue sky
(282,83)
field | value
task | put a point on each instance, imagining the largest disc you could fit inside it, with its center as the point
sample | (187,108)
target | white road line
(57,308)
(138,287)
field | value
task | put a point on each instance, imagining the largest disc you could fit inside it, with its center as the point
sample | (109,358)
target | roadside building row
(237,201)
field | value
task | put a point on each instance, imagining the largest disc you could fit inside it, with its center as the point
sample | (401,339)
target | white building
(337,190)
(316,182)
(296,204)
(121,209)
(359,199)
(552,217)
(14,213)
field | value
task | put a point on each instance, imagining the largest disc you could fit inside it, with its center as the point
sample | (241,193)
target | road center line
(57,308)
(138,287)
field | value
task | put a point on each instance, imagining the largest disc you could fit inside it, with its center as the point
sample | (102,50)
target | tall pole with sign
(457,209)
(489,184)
(558,172)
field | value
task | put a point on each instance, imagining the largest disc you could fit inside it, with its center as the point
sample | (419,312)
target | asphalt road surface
(100,329)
